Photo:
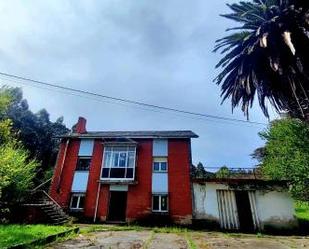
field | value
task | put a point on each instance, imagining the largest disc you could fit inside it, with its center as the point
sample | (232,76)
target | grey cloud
(152,51)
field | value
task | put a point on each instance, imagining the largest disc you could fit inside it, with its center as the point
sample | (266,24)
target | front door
(244,211)
(117,206)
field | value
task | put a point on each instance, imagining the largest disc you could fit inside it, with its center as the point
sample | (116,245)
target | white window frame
(159,160)
(78,195)
(111,149)
(160,207)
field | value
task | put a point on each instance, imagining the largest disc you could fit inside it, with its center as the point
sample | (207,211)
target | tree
(200,171)
(286,154)
(17,170)
(223,172)
(35,130)
(267,56)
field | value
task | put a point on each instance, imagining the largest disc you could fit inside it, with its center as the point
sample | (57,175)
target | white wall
(205,200)
(80,181)
(275,208)
(160,147)
(86,147)
(159,183)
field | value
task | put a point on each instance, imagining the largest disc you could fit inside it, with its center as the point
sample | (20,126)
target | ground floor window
(159,203)
(77,202)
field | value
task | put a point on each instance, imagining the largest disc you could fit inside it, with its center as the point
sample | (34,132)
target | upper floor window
(83,163)
(159,164)
(119,162)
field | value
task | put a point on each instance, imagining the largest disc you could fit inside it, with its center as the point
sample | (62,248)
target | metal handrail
(42,184)
(49,197)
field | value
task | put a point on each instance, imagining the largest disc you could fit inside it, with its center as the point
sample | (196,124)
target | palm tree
(267,56)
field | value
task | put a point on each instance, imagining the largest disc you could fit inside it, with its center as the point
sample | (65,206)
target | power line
(138,103)
(213,121)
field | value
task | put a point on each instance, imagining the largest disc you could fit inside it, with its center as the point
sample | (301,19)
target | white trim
(78,201)
(109,166)
(121,188)
(97,203)
(159,160)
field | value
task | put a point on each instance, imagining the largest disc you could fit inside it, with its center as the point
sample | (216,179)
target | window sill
(119,181)
(160,212)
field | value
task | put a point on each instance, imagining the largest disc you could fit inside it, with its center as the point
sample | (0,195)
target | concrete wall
(274,208)
(205,201)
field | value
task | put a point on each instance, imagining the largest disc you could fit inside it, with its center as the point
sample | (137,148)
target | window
(83,163)
(77,202)
(159,203)
(160,164)
(119,162)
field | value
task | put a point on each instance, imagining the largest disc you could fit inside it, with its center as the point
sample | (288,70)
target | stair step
(53,212)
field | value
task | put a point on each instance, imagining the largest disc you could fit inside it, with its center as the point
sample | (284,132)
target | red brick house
(124,176)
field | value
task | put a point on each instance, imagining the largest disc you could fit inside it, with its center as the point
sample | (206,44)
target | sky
(158,52)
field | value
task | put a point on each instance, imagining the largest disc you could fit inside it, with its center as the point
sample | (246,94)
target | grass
(190,241)
(102,228)
(16,234)
(109,228)
(168,229)
(302,211)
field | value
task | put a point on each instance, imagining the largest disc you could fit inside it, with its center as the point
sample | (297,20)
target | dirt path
(222,240)
(203,240)
(167,241)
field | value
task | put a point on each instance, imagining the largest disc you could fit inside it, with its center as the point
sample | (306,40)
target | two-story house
(124,175)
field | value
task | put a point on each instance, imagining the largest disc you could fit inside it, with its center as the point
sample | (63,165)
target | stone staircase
(52,210)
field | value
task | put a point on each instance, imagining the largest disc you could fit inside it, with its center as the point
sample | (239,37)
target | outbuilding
(243,204)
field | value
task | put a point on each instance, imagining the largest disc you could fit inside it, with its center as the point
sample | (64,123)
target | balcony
(118,164)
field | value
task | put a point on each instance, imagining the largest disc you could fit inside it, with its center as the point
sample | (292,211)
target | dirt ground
(191,240)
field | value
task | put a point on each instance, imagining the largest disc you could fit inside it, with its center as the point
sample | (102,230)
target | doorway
(244,211)
(117,206)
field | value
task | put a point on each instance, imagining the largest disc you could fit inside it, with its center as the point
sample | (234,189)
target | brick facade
(180,200)
(139,195)
(64,172)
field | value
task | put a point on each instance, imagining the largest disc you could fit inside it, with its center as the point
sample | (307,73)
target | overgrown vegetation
(28,148)
(286,154)
(16,234)
(36,131)
(302,210)
(17,169)
(199,171)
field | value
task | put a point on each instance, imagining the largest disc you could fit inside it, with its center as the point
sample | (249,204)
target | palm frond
(268,57)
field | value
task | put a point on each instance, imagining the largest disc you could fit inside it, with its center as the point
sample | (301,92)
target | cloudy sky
(159,52)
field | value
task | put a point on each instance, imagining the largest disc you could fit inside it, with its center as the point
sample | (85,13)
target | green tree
(35,130)
(223,172)
(286,154)
(16,169)
(200,170)
(267,57)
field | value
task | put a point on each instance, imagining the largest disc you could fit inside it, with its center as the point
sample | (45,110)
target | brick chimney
(80,127)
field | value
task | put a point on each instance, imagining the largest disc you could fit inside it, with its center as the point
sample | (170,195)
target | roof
(133,134)
(241,181)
